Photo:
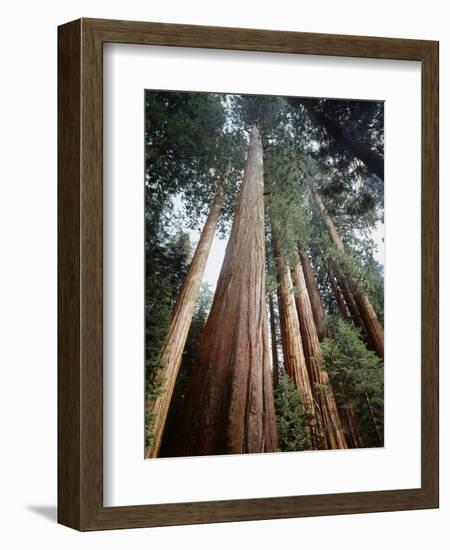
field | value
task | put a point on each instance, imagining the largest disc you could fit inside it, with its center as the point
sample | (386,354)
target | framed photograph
(248,274)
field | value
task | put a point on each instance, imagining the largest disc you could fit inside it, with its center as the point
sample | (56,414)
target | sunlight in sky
(215,258)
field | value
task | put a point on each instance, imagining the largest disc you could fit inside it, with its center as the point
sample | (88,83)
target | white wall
(28,271)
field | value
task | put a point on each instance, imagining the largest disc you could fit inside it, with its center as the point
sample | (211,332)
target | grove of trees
(286,352)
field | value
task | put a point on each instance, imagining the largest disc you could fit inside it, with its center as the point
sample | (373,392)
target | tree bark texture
(367,312)
(294,358)
(339,296)
(228,407)
(348,417)
(181,319)
(324,395)
(314,297)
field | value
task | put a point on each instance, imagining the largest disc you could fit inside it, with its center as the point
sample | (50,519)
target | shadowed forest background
(264,289)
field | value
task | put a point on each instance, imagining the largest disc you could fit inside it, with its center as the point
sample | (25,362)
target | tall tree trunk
(369,317)
(348,417)
(347,414)
(273,337)
(182,314)
(313,355)
(229,400)
(344,290)
(314,297)
(294,358)
(338,294)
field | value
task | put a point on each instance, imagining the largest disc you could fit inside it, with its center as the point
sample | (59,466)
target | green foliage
(358,263)
(368,274)
(292,435)
(357,376)
(166,267)
(189,139)
(362,122)
(268,112)
(187,146)
(201,312)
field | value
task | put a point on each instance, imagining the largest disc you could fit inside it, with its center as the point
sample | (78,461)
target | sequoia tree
(229,405)
(314,296)
(294,358)
(180,323)
(319,377)
(346,413)
(368,314)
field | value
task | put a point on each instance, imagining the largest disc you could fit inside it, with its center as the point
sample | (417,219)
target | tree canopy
(323,200)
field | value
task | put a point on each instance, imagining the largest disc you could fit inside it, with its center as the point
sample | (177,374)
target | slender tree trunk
(371,322)
(347,414)
(347,293)
(229,400)
(380,437)
(182,314)
(344,296)
(313,355)
(314,297)
(340,300)
(369,317)
(273,337)
(294,359)
(354,315)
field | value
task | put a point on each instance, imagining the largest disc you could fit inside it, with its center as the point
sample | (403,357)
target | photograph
(264,273)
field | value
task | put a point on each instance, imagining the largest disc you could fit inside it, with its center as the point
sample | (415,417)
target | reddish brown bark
(340,300)
(229,401)
(294,359)
(346,413)
(324,395)
(314,296)
(369,317)
(182,314)
(344,289)
(371,322)
(348,417)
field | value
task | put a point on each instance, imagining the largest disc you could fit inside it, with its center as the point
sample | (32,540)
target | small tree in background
(292,434)
(353,366)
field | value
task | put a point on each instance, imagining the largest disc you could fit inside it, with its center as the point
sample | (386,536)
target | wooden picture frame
(80,271)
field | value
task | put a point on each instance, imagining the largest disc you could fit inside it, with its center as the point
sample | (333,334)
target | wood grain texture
(430,272)
(69,243)
(80,400)
(295,362)
(313,356)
